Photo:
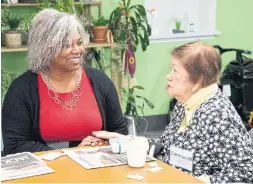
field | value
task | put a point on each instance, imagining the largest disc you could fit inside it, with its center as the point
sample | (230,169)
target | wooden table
(68,171)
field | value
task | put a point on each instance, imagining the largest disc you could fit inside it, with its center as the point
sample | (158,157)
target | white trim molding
(180,37)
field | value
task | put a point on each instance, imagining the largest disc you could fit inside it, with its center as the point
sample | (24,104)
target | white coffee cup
(137,151)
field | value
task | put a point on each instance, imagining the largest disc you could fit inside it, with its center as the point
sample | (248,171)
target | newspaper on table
(22,165)
(97,157)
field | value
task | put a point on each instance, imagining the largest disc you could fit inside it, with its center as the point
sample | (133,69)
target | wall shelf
(25,48)
(194,36)
(94,45)
(97,3)
(197,19)
(20,49)
(20,4)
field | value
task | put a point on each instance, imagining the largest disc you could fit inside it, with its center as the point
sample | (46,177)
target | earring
(193,89)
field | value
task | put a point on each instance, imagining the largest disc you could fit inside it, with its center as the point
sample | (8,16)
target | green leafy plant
(12,21)
(6,80)
(129,22)
(5,13)
(83,15)
(100,21)
(66,6)
(27,20)
(178,24)
(132,106)
(45,4)
(130,28)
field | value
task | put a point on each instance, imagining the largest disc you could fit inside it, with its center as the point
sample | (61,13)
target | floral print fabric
(222,147)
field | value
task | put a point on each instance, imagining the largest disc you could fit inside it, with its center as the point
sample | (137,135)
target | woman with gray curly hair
(60,101)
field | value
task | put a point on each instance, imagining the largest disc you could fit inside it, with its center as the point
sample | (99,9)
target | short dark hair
(201,61)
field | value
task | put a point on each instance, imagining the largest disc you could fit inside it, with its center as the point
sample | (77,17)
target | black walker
(242,108)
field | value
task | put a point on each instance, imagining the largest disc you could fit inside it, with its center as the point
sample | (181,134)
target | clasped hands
(99,138)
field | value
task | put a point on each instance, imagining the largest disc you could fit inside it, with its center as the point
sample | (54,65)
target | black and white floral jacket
(222,147)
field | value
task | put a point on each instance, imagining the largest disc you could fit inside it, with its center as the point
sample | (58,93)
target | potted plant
(13,37)
(5,11)
(99,29)
(6,80)
(66,6)
(129,23)
(135,103)
(12,1)
(27,1)
(178,23)
(130,27)
(25,26)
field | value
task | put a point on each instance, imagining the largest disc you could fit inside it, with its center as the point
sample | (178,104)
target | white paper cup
(118,147)
(119,144)
(137,152)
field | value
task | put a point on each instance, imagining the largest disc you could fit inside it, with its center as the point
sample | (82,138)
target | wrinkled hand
(92,141)
(106,135)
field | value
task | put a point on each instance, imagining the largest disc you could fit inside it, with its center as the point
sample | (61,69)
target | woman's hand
(92,141)
(106,135)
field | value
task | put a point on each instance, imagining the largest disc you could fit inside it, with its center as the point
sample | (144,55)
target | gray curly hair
(51,31)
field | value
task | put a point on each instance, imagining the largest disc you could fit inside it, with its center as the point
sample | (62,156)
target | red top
(59,124)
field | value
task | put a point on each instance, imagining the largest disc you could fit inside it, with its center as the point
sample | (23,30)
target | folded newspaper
(22,165)
(97,157)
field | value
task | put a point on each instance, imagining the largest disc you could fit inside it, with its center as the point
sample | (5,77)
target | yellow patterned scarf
(194,102)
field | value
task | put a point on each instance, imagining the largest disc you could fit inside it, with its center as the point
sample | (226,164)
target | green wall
(233,20)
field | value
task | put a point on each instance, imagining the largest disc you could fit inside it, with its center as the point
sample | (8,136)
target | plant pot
(24,37)
(131,125)
(99,33)
(27,1)
(178,31)
(13,39)
(2,38)
(12,1)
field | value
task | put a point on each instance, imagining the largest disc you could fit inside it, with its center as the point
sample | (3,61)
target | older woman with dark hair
(206,136)
(60,101)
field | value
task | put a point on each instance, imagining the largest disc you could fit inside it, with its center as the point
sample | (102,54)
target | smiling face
(70,58)
(178,83)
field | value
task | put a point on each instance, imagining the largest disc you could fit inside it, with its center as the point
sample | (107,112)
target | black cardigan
(21,110)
